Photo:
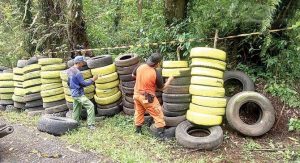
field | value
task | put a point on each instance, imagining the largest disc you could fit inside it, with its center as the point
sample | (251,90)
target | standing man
(76,84)
(147,79)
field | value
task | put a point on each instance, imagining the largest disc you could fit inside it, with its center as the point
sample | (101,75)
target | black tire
(19,105)
(69,105)
(6,102)
(174,121)
(56,109)
(176,107)
(21,63)
(245,80)
(128,104)
(129,99)
(34,60)
(32,97)
(8,71)
(39,108)
(171,89)
(11,108)
(169,131)
(173,114)
(126,60)
(2,108)
(128,111)
(126,70)
(56,125)
(6,130)
(35,103)
(176,98)
(181,81)
(99,61)
(126,78)
(3,68)
(53,104)
(266,117)
(110,105)
(129,84)
(210,142)
(109,112)
(58,114)
(128,90)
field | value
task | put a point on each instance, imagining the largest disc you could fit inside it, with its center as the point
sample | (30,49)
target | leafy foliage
(294,124)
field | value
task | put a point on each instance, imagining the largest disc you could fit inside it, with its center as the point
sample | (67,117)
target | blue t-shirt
(76,82)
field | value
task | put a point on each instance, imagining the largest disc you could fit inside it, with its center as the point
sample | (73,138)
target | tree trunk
(175,10)
(77,36)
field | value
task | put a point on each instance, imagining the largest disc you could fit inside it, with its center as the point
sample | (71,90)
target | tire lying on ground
(99,61)
(56,125)
(245,80)
(126,60)
(266,116)
(185,138)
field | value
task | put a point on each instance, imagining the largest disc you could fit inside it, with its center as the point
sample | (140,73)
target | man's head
(154,59)
(79,61)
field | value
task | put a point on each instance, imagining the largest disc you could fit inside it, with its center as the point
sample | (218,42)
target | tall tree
(175,10)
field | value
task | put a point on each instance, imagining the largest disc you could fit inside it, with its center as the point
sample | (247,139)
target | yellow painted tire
(18,71)
(32,82)
(176,72)
(32,75)
(207,91)
(106,92)
(50,61)
(203,52)
(64,75)
(6,96)
(7,90)
(19,78)
(50,74)
(51,81)
(54,98)
(206,110)
(34,89)
(209,63)
(5,84)
(52,92)
(175,64)
(107,78)
(46,87)
(17,98)
(86,74)
(104,70)
(108,85)
(18,84)
(54,67)
(31,68)
(202,71)
(208,81)
(108,100)
(65,84)
(20,91)
(203,119)
(209,101)
(6,76)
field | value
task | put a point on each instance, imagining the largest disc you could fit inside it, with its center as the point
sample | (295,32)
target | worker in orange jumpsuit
(147,80)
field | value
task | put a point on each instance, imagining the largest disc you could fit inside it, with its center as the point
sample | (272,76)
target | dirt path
(29,145)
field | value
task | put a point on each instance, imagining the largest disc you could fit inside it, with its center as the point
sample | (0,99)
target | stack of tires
(126,63)
(32,84)
(52,91)
(108,96)
(208,102)
(6,89)
(19,91)
(176,97)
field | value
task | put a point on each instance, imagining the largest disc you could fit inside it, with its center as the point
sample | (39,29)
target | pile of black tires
(126,64)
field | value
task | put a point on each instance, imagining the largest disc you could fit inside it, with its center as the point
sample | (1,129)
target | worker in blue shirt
(76,83)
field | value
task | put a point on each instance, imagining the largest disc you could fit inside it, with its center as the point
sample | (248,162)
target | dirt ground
(27,144)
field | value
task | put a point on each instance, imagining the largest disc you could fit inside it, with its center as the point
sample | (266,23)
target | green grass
(16,117)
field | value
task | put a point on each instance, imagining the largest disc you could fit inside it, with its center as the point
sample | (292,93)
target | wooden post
(216,38)
(178,52)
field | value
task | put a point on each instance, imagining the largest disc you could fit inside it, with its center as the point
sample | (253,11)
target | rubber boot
(161,134)
(138,129)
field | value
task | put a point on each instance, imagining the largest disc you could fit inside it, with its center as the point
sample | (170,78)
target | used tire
(181,81)
(266,116)
(34,89)
(203,119)
(49,61)
(207,91)
(204,52)
(209,63)
(110,105)
(172,89)
(106,92)
(202,71)
(175,64)
(46,87)
(52,92)
(51,81)
(6,76)
(18,71)
(128,90)
(56,109)
(129,99)
(54,103)
(169,131)
(56,125)
(176,98)
(176,107)
(17,98)
(107,78)
(31,83)
(108,100)
(19,105)
(29,76)
(21,63)
(50,74)
(245,80)
(104,70)
(127,70)
(54,67)
(126,60)
(6,96)
(31,68)
(32,97)
(6,102)
(99,61)
(33,104)
(129,84)
(207,81)
(108,85)
(127,104)
(126,78)
(185,138)
(110,111)
(206,110)
(173,114)
(128,111)
(176,72)
(174,121)
(209,101)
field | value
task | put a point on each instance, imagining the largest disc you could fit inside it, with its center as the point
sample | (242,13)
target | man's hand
(170,79)
(95,78)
